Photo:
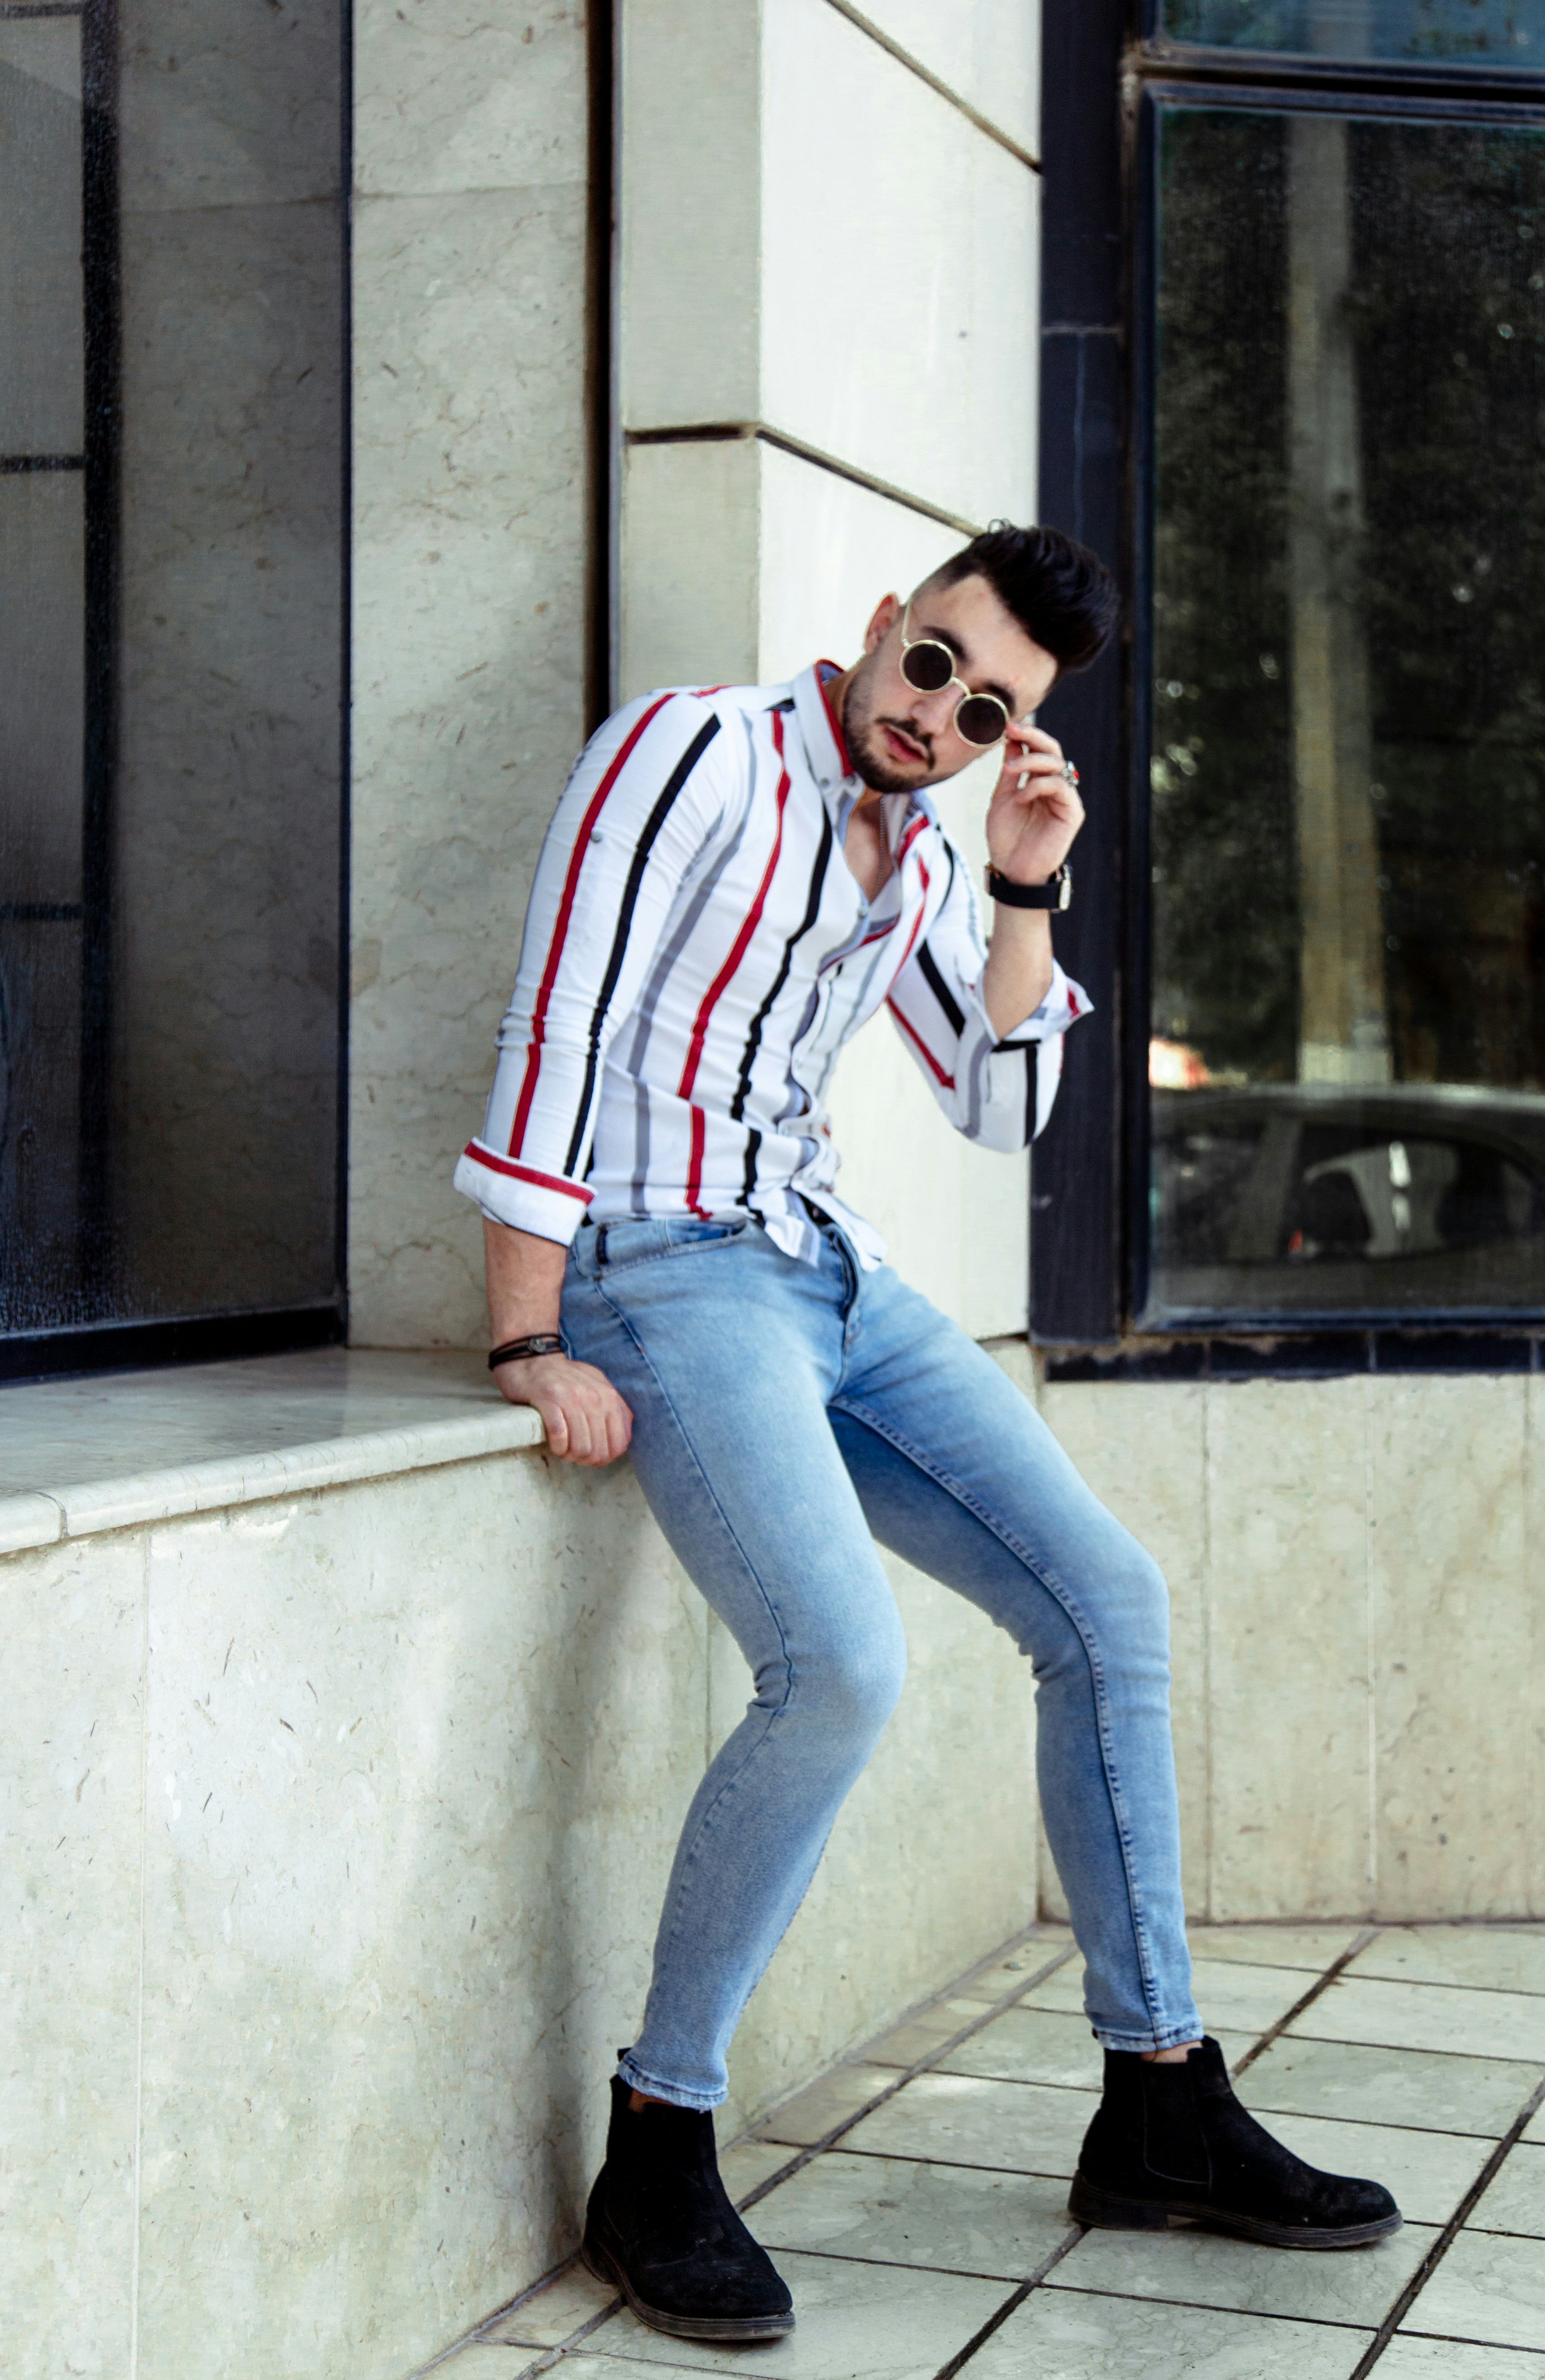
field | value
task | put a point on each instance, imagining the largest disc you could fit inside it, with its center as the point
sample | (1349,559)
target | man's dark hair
(1060,592)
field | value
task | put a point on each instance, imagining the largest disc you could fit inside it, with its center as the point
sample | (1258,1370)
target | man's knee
(849,1686)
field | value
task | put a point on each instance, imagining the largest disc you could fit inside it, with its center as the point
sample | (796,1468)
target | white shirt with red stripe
(696,951)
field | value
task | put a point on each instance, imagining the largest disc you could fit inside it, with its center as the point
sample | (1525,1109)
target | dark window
(172,377)
(1329,983)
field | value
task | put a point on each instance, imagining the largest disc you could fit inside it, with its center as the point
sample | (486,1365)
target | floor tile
(1487,2288)
(1489,1956)
(1449,2359)
(1428,2016)
(746,2165)
(1306,1947)
(810,2116)
(1429,2172)
(487,2360)
(957,2120)
(854,2322)
(1231,1995)
(920,2036)
(891,2210)
(1000,1976)
(1515,2201)
(1032,2044)
(556,2313)
(1535,2128)
(1060,2336)
(1199,2268)
(586,2366)
(1414,2089)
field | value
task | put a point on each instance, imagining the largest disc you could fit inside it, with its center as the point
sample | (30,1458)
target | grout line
(906,2075)
(1011,2305)
(1448,2233)
(1322,1982)
(1210,2305)
(926,75)
(140,1994)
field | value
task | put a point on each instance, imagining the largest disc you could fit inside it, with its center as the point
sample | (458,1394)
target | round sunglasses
(928,666)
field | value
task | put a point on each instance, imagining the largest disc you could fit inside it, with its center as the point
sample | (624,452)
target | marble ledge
(75,1465)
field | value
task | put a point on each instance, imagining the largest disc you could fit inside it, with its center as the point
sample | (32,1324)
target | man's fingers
(556,1422)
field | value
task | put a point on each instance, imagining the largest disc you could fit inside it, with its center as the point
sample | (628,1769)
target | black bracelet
(1056,893)
(542,1343)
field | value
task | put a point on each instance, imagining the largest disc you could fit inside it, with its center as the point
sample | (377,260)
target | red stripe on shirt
(837,735)
(912,1034)
(1073,1007)
(527,1173)
(695,1174)
(923,912)
(560,930)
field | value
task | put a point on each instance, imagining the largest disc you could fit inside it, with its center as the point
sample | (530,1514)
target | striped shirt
(696,951)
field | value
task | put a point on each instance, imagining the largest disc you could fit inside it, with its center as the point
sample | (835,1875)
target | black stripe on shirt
(812,911)
(753,1143)
(939,989)
(656,820)
(1032,1087)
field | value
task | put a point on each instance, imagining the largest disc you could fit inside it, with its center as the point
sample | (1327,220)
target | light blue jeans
(785,1415)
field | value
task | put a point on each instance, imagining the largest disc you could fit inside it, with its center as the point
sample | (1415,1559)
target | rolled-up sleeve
(997,1089)
(645,797)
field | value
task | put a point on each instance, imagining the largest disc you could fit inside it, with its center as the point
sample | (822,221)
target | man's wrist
(530,1348)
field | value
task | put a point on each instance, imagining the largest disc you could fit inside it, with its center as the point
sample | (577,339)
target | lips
(902,747)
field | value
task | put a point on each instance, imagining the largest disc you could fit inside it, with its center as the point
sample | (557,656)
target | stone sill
(80,1456)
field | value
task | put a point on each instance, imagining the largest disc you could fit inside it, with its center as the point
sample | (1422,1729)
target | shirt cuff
(546,1203)
(1064,1003)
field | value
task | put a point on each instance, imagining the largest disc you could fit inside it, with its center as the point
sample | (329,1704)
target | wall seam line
(1371,1630)
(720,432)
(1206,1755)
(935,83)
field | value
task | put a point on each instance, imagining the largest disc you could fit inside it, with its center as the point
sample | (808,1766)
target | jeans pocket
(691,1234)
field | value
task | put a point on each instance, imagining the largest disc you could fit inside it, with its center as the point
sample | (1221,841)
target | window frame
(1090,1176)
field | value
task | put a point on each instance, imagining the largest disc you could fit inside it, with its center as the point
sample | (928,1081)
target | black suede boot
(661,2228)
(1174,2140)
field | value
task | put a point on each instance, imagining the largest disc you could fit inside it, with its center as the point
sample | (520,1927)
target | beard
(861,724)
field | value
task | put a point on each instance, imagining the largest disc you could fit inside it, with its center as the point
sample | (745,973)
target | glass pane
(1461,32)
(1348,761)
(171,664)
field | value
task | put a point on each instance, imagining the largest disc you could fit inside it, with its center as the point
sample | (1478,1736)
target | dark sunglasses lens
(928,667)
(982,719)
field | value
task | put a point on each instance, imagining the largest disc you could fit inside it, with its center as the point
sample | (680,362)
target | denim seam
(659,1256)
(689,1853)
(1054,1586)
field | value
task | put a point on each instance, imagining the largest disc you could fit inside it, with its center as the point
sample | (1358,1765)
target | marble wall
(1360,1647)
(341,1823)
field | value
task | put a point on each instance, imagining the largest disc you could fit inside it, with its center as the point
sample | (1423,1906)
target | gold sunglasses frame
(967,693)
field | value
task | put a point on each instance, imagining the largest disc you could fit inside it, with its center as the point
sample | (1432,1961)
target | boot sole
(598,2260)
(1101,2210)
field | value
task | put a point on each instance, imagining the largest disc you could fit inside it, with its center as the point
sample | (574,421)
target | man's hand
(585,1419)
(1034,812)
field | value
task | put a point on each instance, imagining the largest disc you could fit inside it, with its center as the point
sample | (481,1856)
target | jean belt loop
(601,1242)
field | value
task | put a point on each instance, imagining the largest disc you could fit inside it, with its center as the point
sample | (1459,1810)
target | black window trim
(1105,74)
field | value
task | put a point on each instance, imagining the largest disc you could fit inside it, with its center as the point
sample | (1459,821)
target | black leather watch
(1056,893)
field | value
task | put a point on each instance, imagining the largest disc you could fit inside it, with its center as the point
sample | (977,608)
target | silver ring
(1070,772)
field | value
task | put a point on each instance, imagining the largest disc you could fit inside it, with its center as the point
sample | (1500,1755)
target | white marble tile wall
(1358,1648)
(341,1822)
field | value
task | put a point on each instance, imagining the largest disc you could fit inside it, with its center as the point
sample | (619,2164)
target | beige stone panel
(689,212)
(468,574)
(918,366)
(455,97)
(829,551)
(1141,1445)
(71,1817)
(40,288)
(931,1864)
(419,1751)
(988,52)
(1452,1611)
(227,867)
(230,106)
(690,564)
(1288,1605)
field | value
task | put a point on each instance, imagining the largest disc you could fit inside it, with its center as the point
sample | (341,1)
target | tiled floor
(915,2199)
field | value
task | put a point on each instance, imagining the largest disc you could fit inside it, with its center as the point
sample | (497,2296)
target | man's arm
(1034,816)
(585,1418)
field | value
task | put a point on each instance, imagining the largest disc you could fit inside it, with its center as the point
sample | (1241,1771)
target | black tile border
(1298,1356)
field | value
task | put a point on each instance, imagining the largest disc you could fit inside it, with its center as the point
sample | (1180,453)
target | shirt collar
(825,744)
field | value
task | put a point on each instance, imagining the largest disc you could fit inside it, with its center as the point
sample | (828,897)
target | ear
(887,612)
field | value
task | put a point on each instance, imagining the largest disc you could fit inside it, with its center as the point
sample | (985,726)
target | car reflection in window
(1309,1198)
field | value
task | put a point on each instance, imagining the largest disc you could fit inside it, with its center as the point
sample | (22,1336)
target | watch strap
(1056,893)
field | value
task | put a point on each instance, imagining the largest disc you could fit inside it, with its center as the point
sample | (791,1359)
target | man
(736,878)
